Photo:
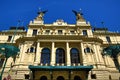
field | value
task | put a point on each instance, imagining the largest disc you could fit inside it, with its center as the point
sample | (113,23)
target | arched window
(45,56)
(31,49)
(88,50)
(43,78)
(77,78)
(60,55)
(60,78)
(75,58)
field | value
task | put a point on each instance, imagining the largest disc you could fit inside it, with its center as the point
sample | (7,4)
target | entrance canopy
(54,68)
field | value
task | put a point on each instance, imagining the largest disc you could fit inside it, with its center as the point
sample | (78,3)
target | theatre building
(62,51)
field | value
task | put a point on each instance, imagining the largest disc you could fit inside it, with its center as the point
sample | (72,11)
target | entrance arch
(43,78)
(77,78)
(60,78)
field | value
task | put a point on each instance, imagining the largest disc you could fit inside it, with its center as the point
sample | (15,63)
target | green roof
(41,68)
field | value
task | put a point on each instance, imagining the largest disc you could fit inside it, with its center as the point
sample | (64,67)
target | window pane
(9,38)
(60,55)
(74,55)
(34,32)
(72,32)
(59,31)
(47,31)
(45,56)
(108,39)
(31,49)
(85,32)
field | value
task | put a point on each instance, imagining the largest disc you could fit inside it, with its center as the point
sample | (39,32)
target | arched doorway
(77,78)
(60,78)
(43,78)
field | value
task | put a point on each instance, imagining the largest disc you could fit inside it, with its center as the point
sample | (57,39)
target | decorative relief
(59,22)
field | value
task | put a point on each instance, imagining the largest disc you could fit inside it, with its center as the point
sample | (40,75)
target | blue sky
(94,11)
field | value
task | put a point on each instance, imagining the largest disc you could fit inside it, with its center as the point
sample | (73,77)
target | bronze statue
(78,15)
(40,15)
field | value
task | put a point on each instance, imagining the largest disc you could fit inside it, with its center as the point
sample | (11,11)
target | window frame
(9,38)
(75,57)
(34,32)
(60,31)
(85,32)
(45,56)
(60,56)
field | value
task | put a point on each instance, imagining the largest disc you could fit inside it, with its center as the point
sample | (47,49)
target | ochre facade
(61,51)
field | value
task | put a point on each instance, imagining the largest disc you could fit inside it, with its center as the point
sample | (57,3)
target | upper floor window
(60,32)
(108,39)
(60,55)
(75,58)
(72,32)
(34,32)
(31,50)
(9,38)
(45,56)
(47,31)
(88,50)
(85,32)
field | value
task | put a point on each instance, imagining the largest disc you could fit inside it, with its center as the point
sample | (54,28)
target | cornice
(60,38)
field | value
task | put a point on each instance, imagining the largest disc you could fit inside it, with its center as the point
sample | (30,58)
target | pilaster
(83,54)
(53,54)
(68,54)
(37,56)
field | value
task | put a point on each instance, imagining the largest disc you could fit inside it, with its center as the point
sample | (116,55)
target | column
(83,54)
(53,54)
(37,56)
(99,54)
(106,61)
(68,54)
(22,55)
(96,54)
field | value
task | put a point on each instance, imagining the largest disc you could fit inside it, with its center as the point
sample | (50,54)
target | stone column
(99,54)
(53,56)
(22,55)
(83,54)
(96,54)
(106,60)
(37,56)
(68,54)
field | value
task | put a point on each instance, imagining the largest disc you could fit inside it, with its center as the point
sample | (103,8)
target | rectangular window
(9,38)
(85,32)
(108,39)
(59,31)
(34,32)
(72,32)
(47,31)
(93,76)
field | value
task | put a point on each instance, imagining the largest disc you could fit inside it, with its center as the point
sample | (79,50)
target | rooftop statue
(40,15)
(78,15)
